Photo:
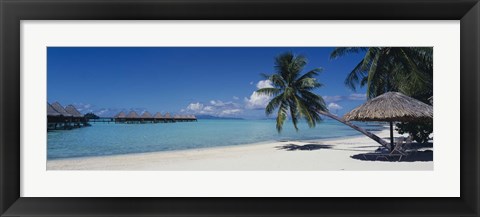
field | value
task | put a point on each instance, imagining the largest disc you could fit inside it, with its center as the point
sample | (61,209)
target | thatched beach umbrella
(73,111)
(390,107)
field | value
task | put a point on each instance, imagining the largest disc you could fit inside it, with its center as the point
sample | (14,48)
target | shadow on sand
(412,157)
(306,147)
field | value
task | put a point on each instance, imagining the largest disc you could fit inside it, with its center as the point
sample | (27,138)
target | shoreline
(215,147)
(329,154)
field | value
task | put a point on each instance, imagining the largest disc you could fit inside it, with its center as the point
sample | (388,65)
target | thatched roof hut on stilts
(52,112)
(59,108)
(146,117)
(120,115)
(132,117)
(70,109)
(146,114)
(168,117)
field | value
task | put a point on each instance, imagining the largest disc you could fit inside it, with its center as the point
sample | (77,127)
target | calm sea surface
(111,139)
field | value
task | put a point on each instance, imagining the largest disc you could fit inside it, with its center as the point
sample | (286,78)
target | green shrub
(419,132)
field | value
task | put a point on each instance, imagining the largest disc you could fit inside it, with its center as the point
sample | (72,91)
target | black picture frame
(12,11)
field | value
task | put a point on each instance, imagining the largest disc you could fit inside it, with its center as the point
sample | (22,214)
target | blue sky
(217,81)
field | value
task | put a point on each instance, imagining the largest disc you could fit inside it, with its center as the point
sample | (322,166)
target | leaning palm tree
(291,91)
(292,94)
(404,69)
(408,70)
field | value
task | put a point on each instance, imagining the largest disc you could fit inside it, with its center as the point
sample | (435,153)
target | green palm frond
(355,75)
(292,91)
(308,80)
(414,64)
(342,51)
(311,74)
(371,89)
(294,114)
(269,91)
(281,116)
(273,104)
(276,79)
(307,111)
(308,84)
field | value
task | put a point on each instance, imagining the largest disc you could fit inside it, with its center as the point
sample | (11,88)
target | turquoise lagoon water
(111,139)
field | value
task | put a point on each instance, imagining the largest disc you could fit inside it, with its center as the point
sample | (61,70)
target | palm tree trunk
(357,128)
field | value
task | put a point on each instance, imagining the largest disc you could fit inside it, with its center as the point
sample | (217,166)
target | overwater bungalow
(132,117)
(60,118)
(78,120)
(158,118)
(192,117)
(59,108)
(168,118)
(54,118)
(184,118)
(146,117)
(120,117)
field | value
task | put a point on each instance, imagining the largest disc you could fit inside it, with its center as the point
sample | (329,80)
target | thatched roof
(177,117)
(158,115)
(430,99)
(132,114)
(59,108)
(121,115)
(51,111)
(73,111)
(146,114)
(167,115)
(391,106)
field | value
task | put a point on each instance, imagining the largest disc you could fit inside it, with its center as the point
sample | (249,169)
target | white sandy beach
(324,155)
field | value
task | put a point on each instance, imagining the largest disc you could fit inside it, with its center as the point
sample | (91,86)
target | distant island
(216,117)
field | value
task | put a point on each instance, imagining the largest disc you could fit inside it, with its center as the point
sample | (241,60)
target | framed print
(239,108)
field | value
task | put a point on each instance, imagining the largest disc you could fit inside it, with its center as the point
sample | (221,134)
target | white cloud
(230,112)
(195,107)
(251,82)
(357,96)
(334,106)
(264,84)
(236,98)
(102,112)
(215,108)
(208,109)
(84,108)
(217,103)
(258,101)
(332,98)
